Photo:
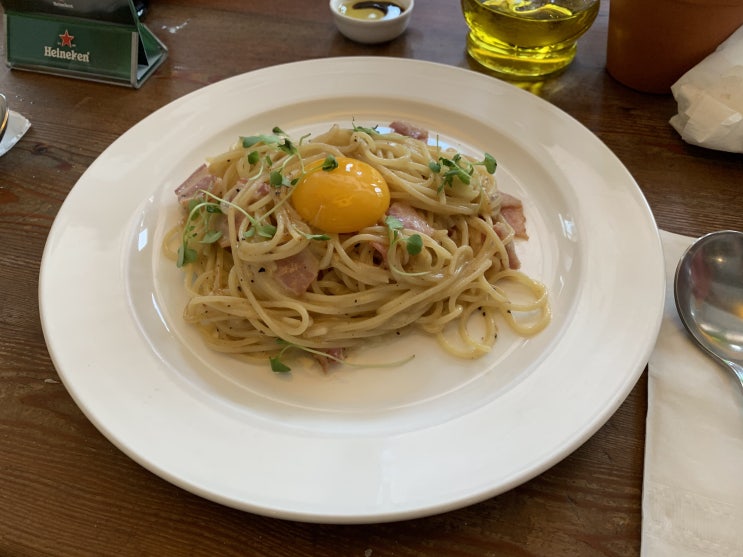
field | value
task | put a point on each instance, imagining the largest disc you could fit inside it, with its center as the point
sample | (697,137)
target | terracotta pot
(651,43)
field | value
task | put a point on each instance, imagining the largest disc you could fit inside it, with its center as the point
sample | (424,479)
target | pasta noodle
(440,259)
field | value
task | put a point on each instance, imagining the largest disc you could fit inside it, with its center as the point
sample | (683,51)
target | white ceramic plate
(354,445)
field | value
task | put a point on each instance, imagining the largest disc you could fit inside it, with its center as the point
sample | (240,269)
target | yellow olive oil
(526,38)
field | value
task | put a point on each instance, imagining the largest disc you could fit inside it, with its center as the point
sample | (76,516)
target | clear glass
(526,39)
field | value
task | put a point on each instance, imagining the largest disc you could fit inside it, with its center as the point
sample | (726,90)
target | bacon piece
(198,181)
(409,218)
(333,355)
(515,217)
(263,190)
(513,212)
(381,249)
(410,130)
(508,200)
(297,272)
(222,225)
(502,231)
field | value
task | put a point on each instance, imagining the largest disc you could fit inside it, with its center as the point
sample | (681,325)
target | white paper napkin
(710,99)
(693,480)
(17,126)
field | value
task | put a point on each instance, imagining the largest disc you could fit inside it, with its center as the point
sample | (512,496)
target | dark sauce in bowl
(370,9)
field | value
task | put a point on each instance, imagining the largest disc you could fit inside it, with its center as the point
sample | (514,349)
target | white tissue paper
(710,99)
(17,126)
(692,497)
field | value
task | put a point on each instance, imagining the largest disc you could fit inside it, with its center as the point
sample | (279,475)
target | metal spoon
(708,290)
(4,115)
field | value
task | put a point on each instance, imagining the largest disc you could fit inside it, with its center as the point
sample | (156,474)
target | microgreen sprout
(278,366)
(460,168)
(320,237)
(262,230)
(186,254)
(413,243)
(369,131)
(278,137)
(329,163)
(211,236)
(276,178)
(282,142)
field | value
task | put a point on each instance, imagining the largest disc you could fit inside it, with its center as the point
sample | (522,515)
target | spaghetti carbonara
(296,244)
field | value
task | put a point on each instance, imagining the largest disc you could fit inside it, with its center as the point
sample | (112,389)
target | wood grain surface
(67,491)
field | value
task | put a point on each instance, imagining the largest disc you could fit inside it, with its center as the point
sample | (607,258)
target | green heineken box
(88,39)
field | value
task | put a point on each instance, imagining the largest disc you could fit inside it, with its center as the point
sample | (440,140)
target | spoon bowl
(4,115)
(708,290)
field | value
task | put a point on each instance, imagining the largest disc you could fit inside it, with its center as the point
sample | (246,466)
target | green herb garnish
(329,163)
(459,168)
(319,237)
(413,244)
(187,254)
(282,142)
(278,366)
(254,157)
(369,131)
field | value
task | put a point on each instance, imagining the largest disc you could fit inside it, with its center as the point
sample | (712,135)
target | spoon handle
(737,370)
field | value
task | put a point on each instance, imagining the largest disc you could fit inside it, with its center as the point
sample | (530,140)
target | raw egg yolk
(350,197)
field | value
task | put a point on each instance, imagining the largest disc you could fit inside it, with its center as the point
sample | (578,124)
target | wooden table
(66,490)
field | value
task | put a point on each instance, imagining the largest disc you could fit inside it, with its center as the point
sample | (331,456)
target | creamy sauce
(370,10)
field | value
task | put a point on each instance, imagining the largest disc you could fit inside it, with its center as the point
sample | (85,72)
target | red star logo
(67,38)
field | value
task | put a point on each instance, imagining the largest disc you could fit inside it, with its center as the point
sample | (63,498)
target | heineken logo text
(71,55)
